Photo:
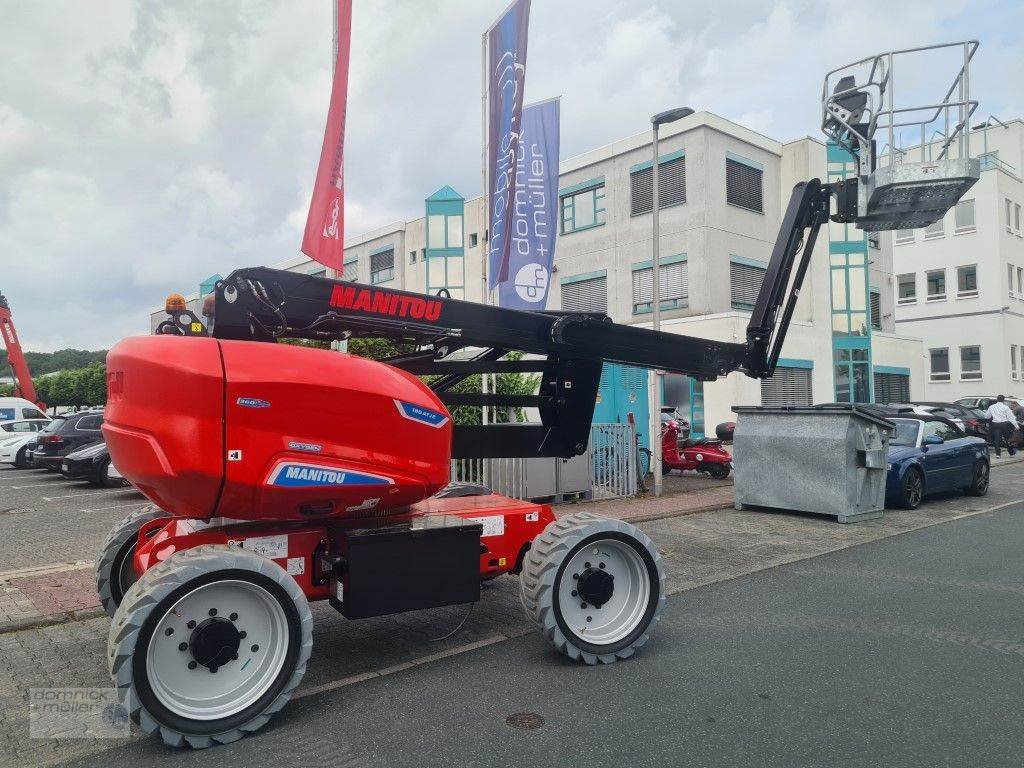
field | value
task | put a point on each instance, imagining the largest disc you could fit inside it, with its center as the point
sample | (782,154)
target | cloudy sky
(146,145)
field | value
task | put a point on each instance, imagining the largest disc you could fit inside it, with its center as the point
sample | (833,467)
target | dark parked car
(973,419)
(77,430)
(92,463)
(929,455)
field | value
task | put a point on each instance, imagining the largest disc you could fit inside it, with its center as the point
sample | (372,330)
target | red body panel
(509,527)
(332,411)
(255,431)
(164,420)
(284,448)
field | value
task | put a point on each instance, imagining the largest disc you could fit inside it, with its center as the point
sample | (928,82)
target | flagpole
(331,272)
(484,239)
(342,345)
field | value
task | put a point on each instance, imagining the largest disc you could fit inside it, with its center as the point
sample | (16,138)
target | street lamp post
(654,381)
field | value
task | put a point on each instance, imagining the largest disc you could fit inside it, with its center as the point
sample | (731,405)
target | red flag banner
(324,238)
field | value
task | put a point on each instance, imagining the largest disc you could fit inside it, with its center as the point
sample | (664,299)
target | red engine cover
(256,431)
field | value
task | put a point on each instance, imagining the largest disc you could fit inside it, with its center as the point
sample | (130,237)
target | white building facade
(960,282)
(723,190)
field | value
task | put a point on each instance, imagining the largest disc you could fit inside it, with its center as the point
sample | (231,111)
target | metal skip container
(827,460)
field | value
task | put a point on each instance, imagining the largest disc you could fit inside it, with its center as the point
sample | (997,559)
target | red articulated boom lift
(283,474)
(23,386)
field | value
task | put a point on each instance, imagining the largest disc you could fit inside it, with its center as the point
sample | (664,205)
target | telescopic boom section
(456,339)
(23,386)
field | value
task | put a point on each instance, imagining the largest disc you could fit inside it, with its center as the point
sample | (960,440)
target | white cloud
(145,145)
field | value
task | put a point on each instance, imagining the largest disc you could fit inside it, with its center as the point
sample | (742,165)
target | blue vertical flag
(534,210)
(506,78)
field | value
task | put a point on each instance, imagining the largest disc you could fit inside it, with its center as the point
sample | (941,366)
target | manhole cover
(526,721)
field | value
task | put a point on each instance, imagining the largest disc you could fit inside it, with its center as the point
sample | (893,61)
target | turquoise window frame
(747,262)
(647,307)
(848,251)
(567,205)
(436,259)
(662,159)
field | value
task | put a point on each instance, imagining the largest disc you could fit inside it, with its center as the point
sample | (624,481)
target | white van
(18,408)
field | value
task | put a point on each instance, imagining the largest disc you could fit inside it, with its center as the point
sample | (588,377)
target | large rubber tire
(153,602)
(980,480)
(20,460)
(912,491)
(544,584)
(112,581)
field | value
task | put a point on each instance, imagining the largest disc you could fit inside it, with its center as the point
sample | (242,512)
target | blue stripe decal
(423,415)
(297,475)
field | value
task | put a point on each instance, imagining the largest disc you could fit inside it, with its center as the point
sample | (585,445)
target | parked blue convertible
(929,455)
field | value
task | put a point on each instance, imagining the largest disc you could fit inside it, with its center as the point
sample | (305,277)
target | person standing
(1003,425)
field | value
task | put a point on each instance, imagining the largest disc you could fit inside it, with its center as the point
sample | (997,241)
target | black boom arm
(264,304)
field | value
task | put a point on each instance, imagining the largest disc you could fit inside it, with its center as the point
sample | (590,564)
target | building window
(970,363)
(934,230)
(674,287)
(444,231)
(1010,272)
(382,266)
(1016,217)
(583,210)
(892,387)
(939,364)
(906,288)
(472,239)
(1013,361)
(412,257)
(904,236)
(590,295)
(876,310)
(874,240)
(423,254)
(963,216)
(967,282)
(787,386)
(743,185)
(936,280)
(745,283)
(1020,281)
(671,186)
(1009,212)
(350,270)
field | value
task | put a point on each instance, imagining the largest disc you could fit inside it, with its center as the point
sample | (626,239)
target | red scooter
(704,454)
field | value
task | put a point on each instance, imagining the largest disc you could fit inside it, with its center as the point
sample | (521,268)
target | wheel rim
(981,477)
(227,643)
(623,600)
(914,490)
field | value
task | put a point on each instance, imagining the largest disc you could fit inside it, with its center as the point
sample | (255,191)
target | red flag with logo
(324,238)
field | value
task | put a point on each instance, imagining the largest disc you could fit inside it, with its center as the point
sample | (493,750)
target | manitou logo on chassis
(380,303)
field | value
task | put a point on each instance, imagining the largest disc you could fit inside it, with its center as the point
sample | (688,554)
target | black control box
(426,562)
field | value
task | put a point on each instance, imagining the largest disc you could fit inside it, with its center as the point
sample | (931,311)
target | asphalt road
(908,651)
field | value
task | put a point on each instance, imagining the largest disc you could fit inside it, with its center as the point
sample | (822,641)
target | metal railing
(613,460)
(612,456)
(880,111)
(506,476)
